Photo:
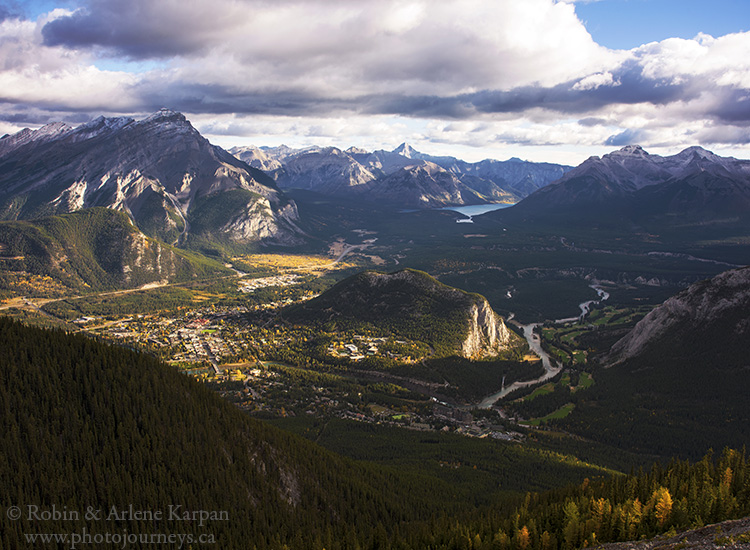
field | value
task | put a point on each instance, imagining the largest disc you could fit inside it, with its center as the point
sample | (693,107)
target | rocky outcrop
(716,305)
(488,335)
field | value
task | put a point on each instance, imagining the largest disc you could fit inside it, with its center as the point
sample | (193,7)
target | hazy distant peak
(697,152)
(406,150)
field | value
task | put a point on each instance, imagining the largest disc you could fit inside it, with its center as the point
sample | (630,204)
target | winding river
(550,370)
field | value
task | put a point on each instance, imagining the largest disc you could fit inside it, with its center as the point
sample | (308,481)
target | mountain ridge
(377,175)
(631,184)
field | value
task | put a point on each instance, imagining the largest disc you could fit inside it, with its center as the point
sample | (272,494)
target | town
(246,356)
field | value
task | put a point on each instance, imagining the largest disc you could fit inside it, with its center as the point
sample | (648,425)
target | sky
(541,80)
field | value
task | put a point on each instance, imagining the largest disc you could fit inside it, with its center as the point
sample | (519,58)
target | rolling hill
(412,304)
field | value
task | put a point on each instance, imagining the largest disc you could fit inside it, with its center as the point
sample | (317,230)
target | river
(550,370)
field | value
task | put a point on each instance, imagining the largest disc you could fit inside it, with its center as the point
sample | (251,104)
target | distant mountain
(91,249)
(329,171)
(635,185)
(403,176)
(256,158)
(413,304)
(427,185)
(169,179)
(679,379)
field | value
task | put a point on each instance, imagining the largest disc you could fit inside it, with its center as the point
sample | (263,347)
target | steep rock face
(159,171)
(488,334)
(716,306)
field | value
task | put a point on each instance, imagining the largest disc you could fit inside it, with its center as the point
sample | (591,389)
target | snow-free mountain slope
(717,307)
(413,304)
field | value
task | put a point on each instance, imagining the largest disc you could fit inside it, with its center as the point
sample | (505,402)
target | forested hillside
(86,424)
(90,425)
(93,249)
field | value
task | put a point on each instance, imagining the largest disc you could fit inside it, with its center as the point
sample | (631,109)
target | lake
(474,210)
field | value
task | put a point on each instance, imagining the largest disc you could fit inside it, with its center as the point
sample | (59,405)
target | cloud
(55,79)
(628,137)
(525,71)
(597,80)
(407,46)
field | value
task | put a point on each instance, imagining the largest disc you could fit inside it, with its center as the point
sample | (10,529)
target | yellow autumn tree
(522,538)
(662,505)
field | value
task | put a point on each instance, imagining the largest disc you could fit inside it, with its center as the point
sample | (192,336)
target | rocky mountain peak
(99,126)
(161,171)
(697,151)
(166,115)
(406,150)
(632,150)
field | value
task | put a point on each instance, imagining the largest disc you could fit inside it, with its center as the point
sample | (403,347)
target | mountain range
(631,184)
(403,176)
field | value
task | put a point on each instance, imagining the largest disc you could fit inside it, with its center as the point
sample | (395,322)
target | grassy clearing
(585,381)
(562,412)
(290,262)
(541,390)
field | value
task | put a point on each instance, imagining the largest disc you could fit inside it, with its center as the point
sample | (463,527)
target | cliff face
(716,308)
(488,334)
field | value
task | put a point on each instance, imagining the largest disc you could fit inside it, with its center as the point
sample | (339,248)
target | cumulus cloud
(54,79)
(525,71)
(407,46)
(596,80)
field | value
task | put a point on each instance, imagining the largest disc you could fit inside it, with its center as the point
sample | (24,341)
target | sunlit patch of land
(292,262)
